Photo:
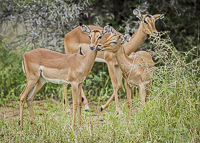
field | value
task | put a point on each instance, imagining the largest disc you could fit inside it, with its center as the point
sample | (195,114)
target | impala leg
(75,98)
(30,84)
(85,101)
(31,95)
(129,101)
(66,105)
(115,75)
(22,106)
(148,91)
(79,103)
(142,92)
(119,85)
(132,92)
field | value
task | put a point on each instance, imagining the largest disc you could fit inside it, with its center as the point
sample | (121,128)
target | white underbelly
(56,81)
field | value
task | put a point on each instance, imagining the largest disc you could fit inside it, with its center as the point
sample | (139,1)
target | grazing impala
(76,38)
(42,65)
(137,69)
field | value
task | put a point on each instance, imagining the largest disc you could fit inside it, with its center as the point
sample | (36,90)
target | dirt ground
(8,113)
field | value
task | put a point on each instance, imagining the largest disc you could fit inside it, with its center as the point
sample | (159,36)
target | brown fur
(136,68)
(76,38)
(40,64)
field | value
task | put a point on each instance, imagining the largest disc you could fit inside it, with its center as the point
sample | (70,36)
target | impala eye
(99,37)
(113,42)
(89,36)
(145,21)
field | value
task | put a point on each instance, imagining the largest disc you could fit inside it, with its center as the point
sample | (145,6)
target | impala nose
(155,34)
(98,47)
(92,48)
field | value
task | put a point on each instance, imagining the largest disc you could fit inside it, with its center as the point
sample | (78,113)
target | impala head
(148,21)
(95,35)
(114,42)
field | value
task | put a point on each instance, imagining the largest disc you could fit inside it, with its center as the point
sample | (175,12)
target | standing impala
(137,69)
(76,38)
(42,65)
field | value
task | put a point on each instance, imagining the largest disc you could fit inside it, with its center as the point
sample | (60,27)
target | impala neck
(90,59)
(136,40)
(122,59)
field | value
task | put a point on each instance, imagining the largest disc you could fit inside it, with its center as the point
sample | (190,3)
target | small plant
(171,115)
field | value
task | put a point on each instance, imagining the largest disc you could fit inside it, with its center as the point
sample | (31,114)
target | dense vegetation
(172,115)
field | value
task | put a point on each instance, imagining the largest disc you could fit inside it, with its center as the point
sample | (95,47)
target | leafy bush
(11,75)
(172,115)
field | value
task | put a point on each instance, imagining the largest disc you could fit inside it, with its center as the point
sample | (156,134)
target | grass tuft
(171,115)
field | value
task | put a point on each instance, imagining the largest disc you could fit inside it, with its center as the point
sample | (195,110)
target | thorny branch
(45,22)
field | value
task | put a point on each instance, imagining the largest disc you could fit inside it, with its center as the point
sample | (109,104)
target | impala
(42,65)
(137,69)
(77,38)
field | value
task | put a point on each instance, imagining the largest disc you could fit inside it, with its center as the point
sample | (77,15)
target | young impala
(42,65)
(137,69)
(76,38)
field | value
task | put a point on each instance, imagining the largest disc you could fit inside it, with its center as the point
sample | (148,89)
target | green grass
(171,115)
(168,117)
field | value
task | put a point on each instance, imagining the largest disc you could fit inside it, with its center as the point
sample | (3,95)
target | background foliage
(45,23)
(172,115)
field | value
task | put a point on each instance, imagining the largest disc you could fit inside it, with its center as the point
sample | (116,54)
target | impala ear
(120,35)
(108,28)
(113,31)
(137,13)
(159,16)
(126,38)
(80,51)
(85,28)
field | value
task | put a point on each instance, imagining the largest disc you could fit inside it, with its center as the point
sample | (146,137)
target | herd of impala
(83,46)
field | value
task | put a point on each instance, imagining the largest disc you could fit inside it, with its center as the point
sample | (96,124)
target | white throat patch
(100,60)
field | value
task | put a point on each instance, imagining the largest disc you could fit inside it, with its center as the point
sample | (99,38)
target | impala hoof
(32,122)
(87,108)
(147,99)
(68,111)
(119,112)
(102,108)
